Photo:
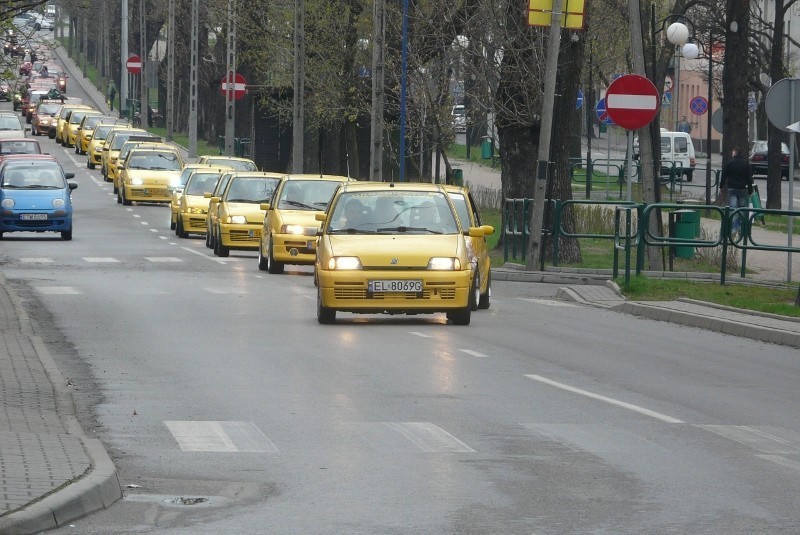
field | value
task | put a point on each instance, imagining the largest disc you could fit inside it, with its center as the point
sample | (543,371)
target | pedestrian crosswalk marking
(162,259)
(100,260)
(765,439)
(220,437)
(429,437)
(37,260)
(57,290)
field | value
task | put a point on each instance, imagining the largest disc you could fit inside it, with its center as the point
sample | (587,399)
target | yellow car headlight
(292,229)
(439,263)
(137,181)
(237,219)
(344,262)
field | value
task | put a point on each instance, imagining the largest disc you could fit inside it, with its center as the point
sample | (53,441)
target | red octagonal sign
(632,101)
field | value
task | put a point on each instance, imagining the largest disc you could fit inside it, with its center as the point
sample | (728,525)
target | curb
(97,489)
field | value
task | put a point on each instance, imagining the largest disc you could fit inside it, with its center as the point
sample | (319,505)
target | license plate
(311,244)
(29,217)
(395,286)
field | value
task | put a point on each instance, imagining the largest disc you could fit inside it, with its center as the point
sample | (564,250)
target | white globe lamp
(677,33)
(690,51)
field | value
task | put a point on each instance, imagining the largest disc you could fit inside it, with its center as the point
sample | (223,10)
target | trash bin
(458,176)
(687,223)
(486,148)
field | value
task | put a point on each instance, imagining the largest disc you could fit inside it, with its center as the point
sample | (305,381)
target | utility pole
(169,112)
(376,120)
(230,103)
(545,135)
(143,93)
(123,56)
(298,111)
(193,83)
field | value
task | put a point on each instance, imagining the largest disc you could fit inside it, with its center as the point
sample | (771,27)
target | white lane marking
(208,257)
(162,259)
(136,215)
(163,237)
(612,401)
(220,437)
(144,222)
(131,210)
(99,259)
(57,290)
(548,302)
(421,335)
(770,440)
(474,353)
(37,260)
(783,461)
(429,437)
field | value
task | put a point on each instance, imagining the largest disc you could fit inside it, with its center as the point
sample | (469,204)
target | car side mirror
(488,230)
(475,232)
(321,217)
(264,206)
(72,185)
(69,175)
(207,195)
(215,199)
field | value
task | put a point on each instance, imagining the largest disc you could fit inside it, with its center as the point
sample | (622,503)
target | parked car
(758,158)
(35,195)
(459,118)
(402,251)
(290,228)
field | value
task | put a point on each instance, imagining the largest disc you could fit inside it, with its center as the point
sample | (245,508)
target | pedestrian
(112,93)
(684,125)
(737,177)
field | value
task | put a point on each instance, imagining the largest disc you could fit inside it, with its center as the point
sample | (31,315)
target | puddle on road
(178,501)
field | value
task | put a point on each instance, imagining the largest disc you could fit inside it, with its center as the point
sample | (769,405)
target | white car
(460,118)
(33,20)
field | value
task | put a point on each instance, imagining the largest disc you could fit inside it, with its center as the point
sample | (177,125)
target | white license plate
(35,217)
(395,286)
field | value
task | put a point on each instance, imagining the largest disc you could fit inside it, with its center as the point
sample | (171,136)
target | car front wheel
(276,268)
(66,234)
(262,260)
(325,315)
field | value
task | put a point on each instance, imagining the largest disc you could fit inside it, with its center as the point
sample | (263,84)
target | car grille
(243,236)
(35,224)
(197,223)
(149,193)
(351,293)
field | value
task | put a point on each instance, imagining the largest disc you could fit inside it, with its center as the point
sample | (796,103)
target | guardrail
(634,232)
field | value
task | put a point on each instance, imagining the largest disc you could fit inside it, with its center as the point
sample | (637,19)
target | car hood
(251,211)
(303,218)
(35,199)
(196,201)
(154,177)
(395,250)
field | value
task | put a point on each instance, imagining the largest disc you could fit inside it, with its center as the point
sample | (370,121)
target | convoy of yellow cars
(376,247)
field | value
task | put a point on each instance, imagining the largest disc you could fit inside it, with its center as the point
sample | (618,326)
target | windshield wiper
(351,230)
(408,229)
(299,204)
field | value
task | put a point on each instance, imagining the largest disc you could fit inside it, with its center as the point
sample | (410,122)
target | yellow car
(94,151)
(116,139)
(477,248)
(213,207)
(86,130)
(69,137)
(239,213)
(43,115)
(234,162)
(132,143)
(193,205)
(148,174)
(290,226)
(63,119)
(394,248)
(176,189)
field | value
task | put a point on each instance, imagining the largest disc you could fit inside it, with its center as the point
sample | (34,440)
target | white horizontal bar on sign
(632,102)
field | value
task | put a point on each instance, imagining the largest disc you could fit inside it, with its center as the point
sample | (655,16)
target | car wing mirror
(69,175)
(322,216)
(215,199)
(488,230)
(72,185)
(475,232)
(264,206)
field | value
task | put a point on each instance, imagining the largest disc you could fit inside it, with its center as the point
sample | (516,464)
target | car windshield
(238,165)
(200,183)
(19,147)
(10,123)
(393,212)
(153,160)
(307,194)
(251,189)
(77,117)
(33,176)
(101,132)
(48,109)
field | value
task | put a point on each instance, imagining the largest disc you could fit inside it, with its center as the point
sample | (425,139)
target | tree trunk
(774,135)
(735,76)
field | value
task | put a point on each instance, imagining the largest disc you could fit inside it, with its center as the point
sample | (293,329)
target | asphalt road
(227,409)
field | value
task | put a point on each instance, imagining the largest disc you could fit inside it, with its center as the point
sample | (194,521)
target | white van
(677,148)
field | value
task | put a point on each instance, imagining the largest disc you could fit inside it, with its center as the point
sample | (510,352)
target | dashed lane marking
(220,437)
(421,335)
(100,260)
(474,353)
(429,437)
(162,259)
(37,260)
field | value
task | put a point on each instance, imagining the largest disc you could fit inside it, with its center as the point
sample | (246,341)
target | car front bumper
(236,236)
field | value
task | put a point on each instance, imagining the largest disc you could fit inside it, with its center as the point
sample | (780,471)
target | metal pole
(143,95)
(298,111)
(708,117)
(193,83)
(403,92)
(792,114)
(630,165)
(123,56)
(545,134)
(376,120)
(169,113)
(608,158)
(230,77)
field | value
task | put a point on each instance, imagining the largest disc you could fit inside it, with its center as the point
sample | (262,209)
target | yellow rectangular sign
(540,12)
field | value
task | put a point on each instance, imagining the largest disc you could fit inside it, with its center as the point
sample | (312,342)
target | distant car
(290,228)
(399,250)
(758,158)
(35,195)
(240,212)
(19,146)
(69,137)
(11,126)
(31,19)
(459,118)
(234,162)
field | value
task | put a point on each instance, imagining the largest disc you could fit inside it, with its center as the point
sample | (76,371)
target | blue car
(35,195)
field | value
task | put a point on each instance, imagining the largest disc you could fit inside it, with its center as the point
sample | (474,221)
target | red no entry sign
(632,101)
(238,85)
(134,64)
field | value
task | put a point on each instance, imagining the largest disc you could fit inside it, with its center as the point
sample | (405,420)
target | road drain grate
(186,501)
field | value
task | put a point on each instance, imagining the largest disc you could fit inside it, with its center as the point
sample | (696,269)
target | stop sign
(239,85)
(632,101)
(134,64)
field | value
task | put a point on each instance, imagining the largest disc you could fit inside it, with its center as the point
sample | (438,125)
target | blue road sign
(602,114)
(698,105)
(579,100)
(666,99)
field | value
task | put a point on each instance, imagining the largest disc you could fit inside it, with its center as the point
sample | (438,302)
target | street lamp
(678,35)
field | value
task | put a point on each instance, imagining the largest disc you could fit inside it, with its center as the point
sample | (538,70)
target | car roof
(27,157)
(309,176)
(397,186)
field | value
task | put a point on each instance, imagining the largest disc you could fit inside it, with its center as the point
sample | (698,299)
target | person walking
(684,125)
(112,93)
(737,176)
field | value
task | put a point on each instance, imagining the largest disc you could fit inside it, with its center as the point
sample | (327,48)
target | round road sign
(239,85)
(782,99)
(698,105)
(134,64)
(632,101)
(602,114)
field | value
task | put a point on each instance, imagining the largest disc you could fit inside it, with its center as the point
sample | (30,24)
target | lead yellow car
(239,213)
(147,175)
(394,249)
(290,228)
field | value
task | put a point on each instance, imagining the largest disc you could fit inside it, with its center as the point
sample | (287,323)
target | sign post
(631,102)
(602,116)
(134,64)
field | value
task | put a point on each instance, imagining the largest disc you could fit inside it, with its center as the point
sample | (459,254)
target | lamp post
(692,51)
(678,35)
